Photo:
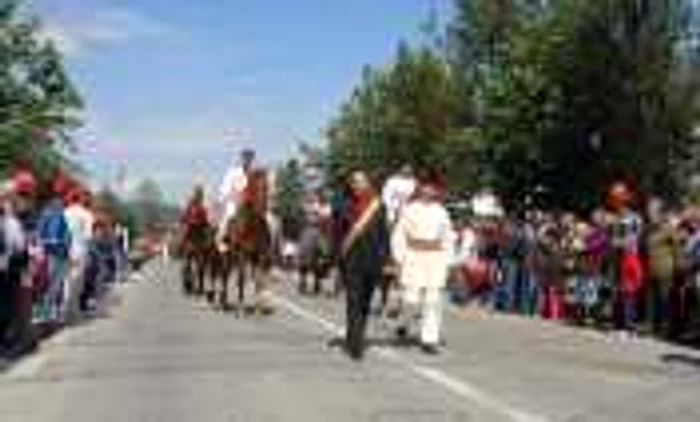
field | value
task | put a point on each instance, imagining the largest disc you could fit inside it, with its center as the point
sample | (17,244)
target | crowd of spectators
(627,268)
(60,249)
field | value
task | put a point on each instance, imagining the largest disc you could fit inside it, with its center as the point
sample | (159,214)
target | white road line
(454,385)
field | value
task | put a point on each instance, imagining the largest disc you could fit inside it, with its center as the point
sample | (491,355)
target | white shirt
(235,181)
(15,240)
(80,221)
(423,222)
(396,193)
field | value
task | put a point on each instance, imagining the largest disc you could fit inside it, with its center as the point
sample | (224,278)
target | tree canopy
(403,112)
(550,99)
(38,102)
(289,191)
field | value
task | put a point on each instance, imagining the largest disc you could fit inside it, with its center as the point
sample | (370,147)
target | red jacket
(195,214)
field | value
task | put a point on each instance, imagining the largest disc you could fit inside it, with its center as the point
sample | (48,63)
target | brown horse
(248,246)
(195,236)
(197,261)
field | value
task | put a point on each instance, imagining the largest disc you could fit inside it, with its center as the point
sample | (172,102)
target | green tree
(554,98)
(289,192)
(122,211)
(574,94)
(403,112)
(149,205)
(38,102)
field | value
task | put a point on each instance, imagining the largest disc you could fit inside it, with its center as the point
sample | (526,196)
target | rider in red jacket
(195,219)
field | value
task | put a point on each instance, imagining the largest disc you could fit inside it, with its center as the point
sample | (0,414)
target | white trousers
(73,288)
(425,305)
(422,278)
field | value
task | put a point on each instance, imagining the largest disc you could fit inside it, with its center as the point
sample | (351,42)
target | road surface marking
(456,386)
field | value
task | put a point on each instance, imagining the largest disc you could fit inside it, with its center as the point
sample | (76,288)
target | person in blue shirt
(54,237)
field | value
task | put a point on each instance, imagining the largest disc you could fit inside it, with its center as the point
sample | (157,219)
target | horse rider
(254,238)
(421,246)
(231,192)
(194,226)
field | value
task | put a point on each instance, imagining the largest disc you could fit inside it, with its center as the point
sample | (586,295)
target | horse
(195,246)
(249,247)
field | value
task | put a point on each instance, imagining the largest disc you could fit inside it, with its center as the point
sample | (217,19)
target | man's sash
(360,225)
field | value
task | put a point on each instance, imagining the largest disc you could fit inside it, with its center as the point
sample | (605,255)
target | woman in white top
(80,220)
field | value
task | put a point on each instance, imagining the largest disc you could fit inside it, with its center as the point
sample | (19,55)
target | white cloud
(175,150)
(106,27)
(190,136)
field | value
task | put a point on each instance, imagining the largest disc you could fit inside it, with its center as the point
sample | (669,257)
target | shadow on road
(38,334)
(409,342)
(683,359)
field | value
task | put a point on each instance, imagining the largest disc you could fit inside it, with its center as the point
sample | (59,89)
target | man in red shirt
(194,236)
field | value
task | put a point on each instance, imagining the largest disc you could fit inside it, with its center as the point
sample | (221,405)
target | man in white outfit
(397,192)
(80,220)
(232,187)
(422,245)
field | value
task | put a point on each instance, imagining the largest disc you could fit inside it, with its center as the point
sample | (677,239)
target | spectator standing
(12,263)
(80,221)
(54,238)
(664,259)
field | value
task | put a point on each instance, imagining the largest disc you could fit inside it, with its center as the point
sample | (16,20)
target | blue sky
(174,88)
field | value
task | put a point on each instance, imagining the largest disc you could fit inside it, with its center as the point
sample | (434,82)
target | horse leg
(318,275)
(224,278)
(385,291)
(187,275)
(201,268)
(262,281)
(213,267)
(242,267)
(390,287)
(301,288)
(195,273)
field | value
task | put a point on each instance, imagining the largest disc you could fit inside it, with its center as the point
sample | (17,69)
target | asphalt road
(158,356)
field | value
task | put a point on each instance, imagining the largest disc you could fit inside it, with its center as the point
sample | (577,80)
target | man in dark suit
(362,249)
